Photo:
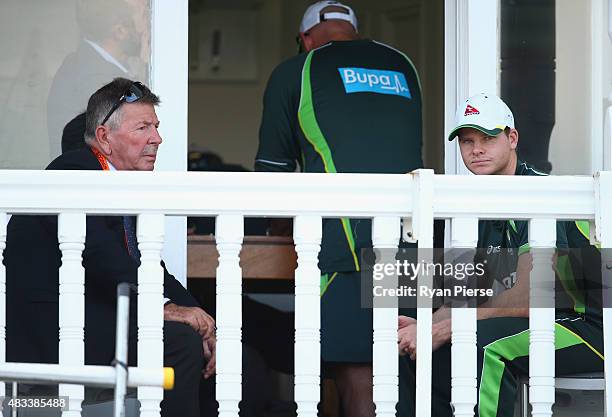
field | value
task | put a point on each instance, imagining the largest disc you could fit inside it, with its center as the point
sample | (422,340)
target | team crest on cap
(470,111)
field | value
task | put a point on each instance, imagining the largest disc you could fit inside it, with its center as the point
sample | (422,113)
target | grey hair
(102,101)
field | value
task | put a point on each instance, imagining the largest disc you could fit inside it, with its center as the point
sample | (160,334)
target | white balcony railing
(307,198)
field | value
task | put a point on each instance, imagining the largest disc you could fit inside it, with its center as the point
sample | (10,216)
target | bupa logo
(363,80)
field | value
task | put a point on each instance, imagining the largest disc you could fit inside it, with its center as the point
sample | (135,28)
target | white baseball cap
(313,15)
(484,112)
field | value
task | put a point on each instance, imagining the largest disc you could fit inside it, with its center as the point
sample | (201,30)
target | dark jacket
(32,258)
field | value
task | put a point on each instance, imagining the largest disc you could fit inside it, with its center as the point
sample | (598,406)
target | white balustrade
(307,231)
(420,196)
(71,237)
(464,235)
(150,233)
(542,239)
(385,238)
(603,232)
(229,233)
(3,220)
(422,222)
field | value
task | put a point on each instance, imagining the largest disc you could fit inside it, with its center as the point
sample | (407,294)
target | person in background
(114,39)
(345,105)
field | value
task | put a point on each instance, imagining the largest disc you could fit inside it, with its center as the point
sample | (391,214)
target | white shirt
(107,57)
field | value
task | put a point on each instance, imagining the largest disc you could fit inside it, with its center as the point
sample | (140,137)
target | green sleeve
(562,233)
(278,145)
(520,235)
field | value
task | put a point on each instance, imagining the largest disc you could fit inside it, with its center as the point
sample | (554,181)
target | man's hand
(404,321)
(406,336)
(195,317)
(201,322)
(210,353)
(440,333)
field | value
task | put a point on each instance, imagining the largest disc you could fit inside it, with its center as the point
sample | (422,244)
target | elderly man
(488,139)
(121,134)
(347,105)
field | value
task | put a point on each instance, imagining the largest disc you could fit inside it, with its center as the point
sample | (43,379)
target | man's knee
(355,378)
(183,343)
(354,382)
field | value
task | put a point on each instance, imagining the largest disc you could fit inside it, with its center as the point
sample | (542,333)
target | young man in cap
(487,140)
(346,105)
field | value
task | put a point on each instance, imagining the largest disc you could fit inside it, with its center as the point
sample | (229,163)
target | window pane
(55,55)
(547,77)
(570,148)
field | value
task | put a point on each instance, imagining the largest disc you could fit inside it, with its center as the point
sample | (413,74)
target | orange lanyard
(104,164)
(101,159)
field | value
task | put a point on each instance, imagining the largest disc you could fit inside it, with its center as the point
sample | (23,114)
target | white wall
(570,148)
(169,80)
(224,115)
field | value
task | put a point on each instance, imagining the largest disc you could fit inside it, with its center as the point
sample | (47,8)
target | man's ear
(514,137)
(103,140)
(306,41)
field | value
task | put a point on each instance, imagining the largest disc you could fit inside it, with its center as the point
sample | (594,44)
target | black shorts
(346,327)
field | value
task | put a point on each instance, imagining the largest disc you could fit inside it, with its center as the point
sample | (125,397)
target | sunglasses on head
(133,94)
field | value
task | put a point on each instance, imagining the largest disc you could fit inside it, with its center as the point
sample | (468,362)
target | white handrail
(150,233)
(420,196)
(603,234)
(3,221)
(542,238)
(307,233)
(91,375)
(229,233)
(385,236)
(464,235)
(71,237)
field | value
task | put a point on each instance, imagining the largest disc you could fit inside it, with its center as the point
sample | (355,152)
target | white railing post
(603,230)
(3,220)
(385,238)
(307,232)
(422,222)
(71,236)
(150,232)
(464,234)
(542,239)
(229,233)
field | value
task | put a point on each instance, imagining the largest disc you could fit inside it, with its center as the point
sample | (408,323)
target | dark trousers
(503,356)
(183,351)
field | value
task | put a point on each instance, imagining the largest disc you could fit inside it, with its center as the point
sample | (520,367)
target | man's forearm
(514,302)
(507,304)
(511,303)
